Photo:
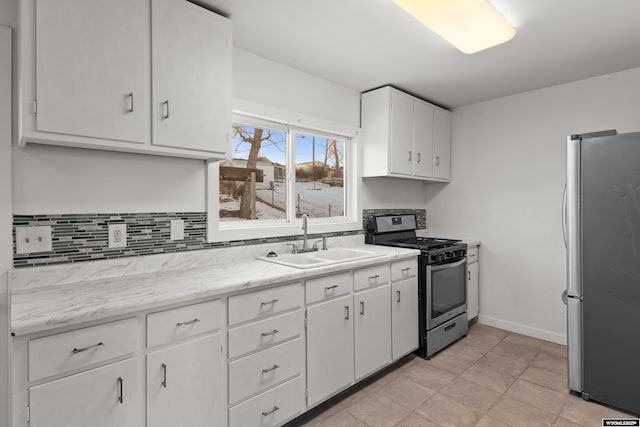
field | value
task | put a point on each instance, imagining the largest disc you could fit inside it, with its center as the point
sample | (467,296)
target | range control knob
(441,257)
(434,258)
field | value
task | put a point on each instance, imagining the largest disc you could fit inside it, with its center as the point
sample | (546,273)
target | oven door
(446,292)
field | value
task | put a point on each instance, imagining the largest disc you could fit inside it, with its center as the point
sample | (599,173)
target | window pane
(259,150)
(319,176)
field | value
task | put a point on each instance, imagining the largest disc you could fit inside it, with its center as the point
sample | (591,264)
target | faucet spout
(304,228)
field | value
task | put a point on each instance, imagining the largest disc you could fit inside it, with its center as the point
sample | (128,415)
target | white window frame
(220,231)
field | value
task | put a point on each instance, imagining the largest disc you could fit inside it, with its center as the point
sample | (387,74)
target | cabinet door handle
(190,322)
(271,411)
(404,270)
(468,275)
(374,277)
(437,160)
(166,109)
(164,375)
(130,97)
(346,312)
(330,288)
(266,334)
(417,157)
(409,155)
(273,368)
(398,298)
(120,390)
(273,301)
(361,308)
(80,350)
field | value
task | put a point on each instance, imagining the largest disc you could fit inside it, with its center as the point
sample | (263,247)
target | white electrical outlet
(33,239)
(117,235)
(177,229)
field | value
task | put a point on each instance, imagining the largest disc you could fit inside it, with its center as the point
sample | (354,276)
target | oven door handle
(450,265)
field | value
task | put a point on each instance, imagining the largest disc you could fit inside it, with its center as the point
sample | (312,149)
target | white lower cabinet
(372,330)
(184,384)
(404,317)
(472,291)
(329,348)
(103,397)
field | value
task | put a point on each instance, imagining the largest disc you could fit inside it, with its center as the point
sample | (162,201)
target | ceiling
(363,44)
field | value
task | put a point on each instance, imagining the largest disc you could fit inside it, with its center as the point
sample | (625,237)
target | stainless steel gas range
(442,285)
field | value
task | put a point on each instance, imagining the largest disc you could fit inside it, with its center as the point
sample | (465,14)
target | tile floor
(491,378)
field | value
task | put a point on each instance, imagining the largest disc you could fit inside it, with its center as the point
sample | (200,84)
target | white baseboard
(522,329)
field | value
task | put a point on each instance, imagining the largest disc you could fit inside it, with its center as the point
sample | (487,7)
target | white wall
(508,173)
(392,193)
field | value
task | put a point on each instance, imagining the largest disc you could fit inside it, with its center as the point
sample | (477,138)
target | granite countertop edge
(43,309)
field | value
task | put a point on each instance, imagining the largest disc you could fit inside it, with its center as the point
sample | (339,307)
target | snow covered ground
(316,199)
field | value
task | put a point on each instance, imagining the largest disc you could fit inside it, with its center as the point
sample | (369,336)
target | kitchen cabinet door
(404,317)
(329,348)
(191,57)
(372,330)
(423,140)
(102,397)
(441,144)
(185,385)
(472,291)
(92,68)
(401,134)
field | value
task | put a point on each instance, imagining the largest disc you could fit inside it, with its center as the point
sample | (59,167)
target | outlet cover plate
(33,239)
(117,235)
(177,229)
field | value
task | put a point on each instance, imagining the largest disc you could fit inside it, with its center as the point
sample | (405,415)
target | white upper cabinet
(92,72)
(191,57)
(404,136)
(144,76)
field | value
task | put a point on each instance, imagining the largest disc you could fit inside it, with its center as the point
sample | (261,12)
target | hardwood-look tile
(405,392)
(518,413)
(377,410)
(538,396)
(341,419)
(415,420)
(476,397)
(524,353)
(428,376)
(448,412)
(546,379)
(485,375)
(587,413)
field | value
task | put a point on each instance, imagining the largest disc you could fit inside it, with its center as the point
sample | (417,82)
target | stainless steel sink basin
(320,258)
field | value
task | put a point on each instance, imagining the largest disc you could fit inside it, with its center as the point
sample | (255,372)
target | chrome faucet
(305,245)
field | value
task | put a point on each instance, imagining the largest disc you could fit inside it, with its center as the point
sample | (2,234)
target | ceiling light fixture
(469,25)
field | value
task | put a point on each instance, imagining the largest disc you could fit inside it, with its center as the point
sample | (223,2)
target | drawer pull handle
(361,308)
(166,109)
(130,97)
(190,322)
(404,270)
(273,301)
(271,411)
(330,288)
(374,277)
(266,334)
(346,312)
(273,368)
(80,350)
(120,390)
(398,299)
(164,375)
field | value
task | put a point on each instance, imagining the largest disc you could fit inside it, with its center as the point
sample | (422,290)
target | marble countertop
(43,308)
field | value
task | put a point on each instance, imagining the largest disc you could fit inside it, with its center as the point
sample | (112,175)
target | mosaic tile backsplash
(84,237)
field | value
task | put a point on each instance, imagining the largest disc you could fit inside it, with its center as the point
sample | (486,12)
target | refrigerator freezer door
(610,192)
(574,343)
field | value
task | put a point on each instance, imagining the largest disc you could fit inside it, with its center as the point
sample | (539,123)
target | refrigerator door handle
(564,297)
(564,215)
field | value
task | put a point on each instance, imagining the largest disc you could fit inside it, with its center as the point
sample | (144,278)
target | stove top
(424,243)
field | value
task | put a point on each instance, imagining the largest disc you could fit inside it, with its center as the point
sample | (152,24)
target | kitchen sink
(320,258)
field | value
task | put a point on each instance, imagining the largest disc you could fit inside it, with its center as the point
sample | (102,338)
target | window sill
(231,233)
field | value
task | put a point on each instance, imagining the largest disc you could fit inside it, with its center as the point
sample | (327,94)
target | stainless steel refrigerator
(603,267)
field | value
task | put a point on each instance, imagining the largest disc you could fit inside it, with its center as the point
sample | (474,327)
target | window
(276,174)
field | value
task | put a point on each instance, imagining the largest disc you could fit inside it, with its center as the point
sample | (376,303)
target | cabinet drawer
(255,373)
(255,336)
(271,408)
(64,352)
(404,269)
(472,255)
(262,303)
(370,277)
(183,322)
(328,287)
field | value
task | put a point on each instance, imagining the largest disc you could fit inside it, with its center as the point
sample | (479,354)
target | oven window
(448,289)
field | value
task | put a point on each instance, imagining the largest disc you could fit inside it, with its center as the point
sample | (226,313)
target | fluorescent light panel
(469,25)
